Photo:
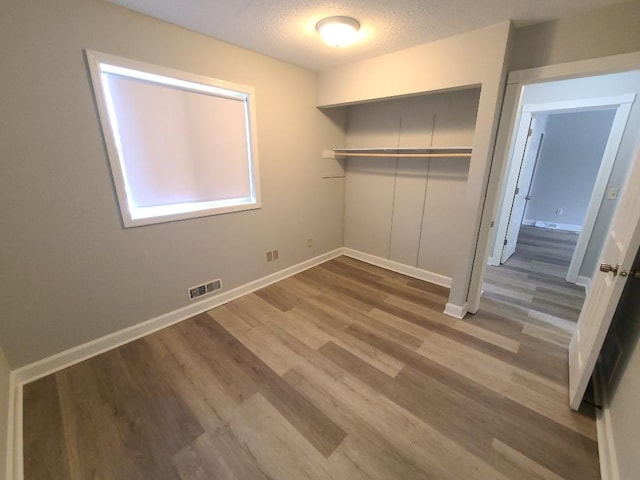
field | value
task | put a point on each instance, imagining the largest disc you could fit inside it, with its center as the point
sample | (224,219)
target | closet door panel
(369,187)
(443,207)
(456,117)
(373,125)
(385,210)
(411,180)
(417,122)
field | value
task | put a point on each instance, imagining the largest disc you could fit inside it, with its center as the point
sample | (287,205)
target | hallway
(532,282)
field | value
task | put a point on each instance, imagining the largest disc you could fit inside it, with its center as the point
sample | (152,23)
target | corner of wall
(7,380)
(397,267)
(585,282)
(79,353)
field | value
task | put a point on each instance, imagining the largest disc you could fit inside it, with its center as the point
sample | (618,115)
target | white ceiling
(285,29)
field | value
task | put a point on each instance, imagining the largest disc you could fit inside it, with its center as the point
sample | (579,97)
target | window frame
(133,216)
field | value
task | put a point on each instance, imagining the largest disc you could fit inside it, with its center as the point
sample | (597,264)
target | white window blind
(179,145)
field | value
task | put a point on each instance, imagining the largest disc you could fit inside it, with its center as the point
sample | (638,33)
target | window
(180,145)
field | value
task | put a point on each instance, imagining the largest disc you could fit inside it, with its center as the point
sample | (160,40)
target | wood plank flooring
(344,371)
(533,281)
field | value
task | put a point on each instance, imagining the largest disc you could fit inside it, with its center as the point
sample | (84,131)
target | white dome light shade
(338,31)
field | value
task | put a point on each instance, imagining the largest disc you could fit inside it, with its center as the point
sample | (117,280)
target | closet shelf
(404,152)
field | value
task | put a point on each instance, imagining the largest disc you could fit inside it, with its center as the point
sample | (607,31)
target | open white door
(599,307)
(597,196)
(523,184)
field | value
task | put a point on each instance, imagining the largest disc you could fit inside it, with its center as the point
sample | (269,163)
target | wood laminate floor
(532,282)
(345,371)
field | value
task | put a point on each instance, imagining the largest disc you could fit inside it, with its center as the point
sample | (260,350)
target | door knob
(606,268)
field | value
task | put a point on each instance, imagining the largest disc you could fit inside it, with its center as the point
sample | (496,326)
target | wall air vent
(204,289)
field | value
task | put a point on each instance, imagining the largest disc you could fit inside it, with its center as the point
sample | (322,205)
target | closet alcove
(406,164)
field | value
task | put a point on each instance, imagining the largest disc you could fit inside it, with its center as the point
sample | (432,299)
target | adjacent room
(235,248)
(551,228)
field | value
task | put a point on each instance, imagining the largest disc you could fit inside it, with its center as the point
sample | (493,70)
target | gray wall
(621,355)
(593,87)
(70,272)
(406,210)
(599,33)
(568,165)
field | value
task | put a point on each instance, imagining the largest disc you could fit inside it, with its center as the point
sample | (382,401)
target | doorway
(573,182)
(585,343)
(550,87)
(556,180)
(558,172)
(532,281)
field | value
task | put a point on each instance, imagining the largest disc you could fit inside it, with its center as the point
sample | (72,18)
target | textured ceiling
(285,29)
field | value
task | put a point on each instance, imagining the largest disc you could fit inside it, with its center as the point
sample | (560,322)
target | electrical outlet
(310,242)
(276,255)
(269,256)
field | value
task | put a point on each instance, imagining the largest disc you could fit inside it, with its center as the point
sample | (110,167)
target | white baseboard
(7,443)
(74,355)
(553,225)
(77,354)
(435,278)
(399,267)
(17,458)
(54,363)
(584,282)
(606,446)
(455,311)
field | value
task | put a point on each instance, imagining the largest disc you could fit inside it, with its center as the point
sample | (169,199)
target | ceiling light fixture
(338,31)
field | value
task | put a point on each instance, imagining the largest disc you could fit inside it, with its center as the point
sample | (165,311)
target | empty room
(237,247)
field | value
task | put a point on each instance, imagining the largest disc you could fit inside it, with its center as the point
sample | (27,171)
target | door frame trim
(519,148)
(516,80)
(622,104)
(599,188)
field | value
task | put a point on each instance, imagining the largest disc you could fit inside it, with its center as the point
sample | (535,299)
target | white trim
(69,357)
(54,363)
(524,116)
(16,446)
(585,282)
(599,188)
(435,278)
(510,111)
(9,440)
(399,267)
(167,78)
(455,311)
(517,151)
(589,103)
(581,68)
(553,225)
(606,445)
